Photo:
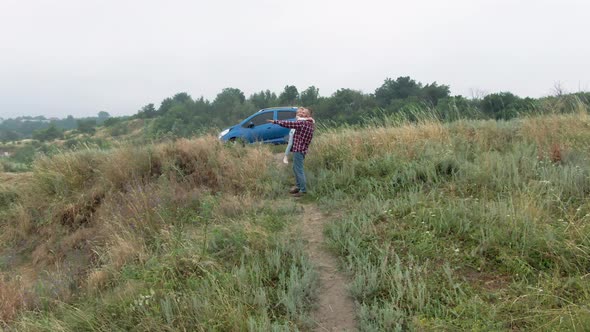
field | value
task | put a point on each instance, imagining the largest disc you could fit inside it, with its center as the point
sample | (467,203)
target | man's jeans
(298,158)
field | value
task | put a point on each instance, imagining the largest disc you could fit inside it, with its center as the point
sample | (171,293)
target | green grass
(470,225)
(171,237)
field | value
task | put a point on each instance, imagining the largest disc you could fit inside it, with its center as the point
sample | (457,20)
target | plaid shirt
(303,133)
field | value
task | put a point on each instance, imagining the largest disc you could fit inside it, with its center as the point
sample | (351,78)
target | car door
(283,133)
(258,128)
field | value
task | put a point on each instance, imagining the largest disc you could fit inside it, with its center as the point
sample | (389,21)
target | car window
(285,115)
(260,119)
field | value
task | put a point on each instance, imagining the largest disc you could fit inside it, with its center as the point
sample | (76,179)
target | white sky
(79,57)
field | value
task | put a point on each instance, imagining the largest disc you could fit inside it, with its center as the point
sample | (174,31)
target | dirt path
(336,310)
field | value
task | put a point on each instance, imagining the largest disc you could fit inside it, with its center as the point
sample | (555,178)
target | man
(301,140)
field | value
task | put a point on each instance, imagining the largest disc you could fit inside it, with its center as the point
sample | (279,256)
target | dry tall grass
(330,150)
(474,195)
(12,299)
(553,134)
(102,210)
(556,129)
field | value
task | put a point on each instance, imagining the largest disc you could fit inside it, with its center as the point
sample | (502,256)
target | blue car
(255,128)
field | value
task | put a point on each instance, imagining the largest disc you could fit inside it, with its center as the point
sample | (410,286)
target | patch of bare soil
(336,311)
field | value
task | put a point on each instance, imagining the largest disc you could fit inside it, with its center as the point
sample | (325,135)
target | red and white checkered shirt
(303,133)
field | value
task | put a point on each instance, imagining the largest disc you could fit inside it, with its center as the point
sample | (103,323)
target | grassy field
(466,226)
(471,225)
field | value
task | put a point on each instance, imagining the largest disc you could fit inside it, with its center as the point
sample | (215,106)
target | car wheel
(237,141)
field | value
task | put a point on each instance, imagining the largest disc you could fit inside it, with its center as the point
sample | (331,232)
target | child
(292,133)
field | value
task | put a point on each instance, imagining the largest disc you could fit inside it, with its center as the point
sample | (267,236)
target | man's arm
(288,124)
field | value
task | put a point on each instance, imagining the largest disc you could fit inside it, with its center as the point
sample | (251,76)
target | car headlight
(223,133)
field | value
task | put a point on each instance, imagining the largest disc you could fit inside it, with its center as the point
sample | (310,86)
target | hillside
(182,116)
(468,225)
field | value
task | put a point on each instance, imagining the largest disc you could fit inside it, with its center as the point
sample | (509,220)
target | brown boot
(299,194)
(293,190)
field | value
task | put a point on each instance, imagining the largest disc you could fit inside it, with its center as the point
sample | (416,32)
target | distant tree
(348,99)
(228,98)
(506,105)
(409,106)
(177,121)
(401,88)
(432,93)
(147,112)
(48,134)
(344,106)
(165,106)
(182,97)
(229,105)
(558,89)
(230,95)
(495,103)
(102,117)
(458,107)
(289,96)
(113,121)
(69,122)
(8,136)
(183,117)
(310,96)
(87,126)
(263,99)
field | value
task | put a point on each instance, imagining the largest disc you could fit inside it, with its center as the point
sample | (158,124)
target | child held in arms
(298,117)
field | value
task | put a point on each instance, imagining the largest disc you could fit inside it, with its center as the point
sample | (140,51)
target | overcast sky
(79,57)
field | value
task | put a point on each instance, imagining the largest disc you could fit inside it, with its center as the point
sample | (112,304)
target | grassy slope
(467,226)
(179,236)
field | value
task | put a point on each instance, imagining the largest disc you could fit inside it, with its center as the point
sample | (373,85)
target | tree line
(47,129)
(184,116)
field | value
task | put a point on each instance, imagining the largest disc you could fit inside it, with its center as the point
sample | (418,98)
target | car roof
(280,108)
